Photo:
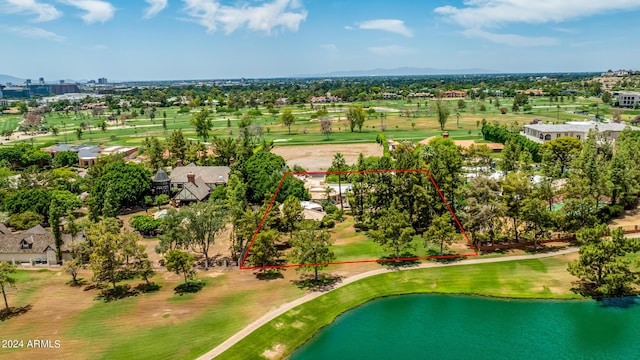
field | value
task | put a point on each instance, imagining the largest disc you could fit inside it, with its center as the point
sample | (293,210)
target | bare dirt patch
(319,157)
(275,352)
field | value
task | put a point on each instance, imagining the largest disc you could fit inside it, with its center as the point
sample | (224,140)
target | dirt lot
(319,157)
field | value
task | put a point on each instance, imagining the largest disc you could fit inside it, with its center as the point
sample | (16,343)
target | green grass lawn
(517,279)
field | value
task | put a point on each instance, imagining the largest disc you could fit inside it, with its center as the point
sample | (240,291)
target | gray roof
(161,176)
(579,127)
(4,230)
(198,191)
(208,174)
(36,240)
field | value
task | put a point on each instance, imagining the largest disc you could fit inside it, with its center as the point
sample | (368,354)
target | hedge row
(501,135)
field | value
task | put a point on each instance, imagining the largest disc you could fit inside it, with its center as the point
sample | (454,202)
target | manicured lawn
(544,278)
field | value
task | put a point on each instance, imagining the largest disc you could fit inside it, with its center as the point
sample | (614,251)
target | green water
(453,327)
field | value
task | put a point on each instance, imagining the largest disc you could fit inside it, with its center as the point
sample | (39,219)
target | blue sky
(208,39)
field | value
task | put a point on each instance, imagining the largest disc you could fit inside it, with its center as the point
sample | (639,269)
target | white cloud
(97,10)
(155,6)
(511,39)
(494,13)
(476,16)
(99,47)
(391,25)
(391,50)
(347,27)
(286,14)
(45,12)
(31,32)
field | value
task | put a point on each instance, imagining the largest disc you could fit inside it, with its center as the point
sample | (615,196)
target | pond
(457,327)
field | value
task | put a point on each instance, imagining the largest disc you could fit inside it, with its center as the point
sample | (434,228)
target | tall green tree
(292,215)
(287,118)
(311,246)
(393,231)
(356,117)
(204,222)
(177,145)
(264,251)
(603,268)
(441,232)
(510,155)
(484,209)
(442,113)
(515,188)
(202,123)
(180,262)
(6,280)
(339,164)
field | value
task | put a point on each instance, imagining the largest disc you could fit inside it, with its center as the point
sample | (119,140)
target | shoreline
(273,314)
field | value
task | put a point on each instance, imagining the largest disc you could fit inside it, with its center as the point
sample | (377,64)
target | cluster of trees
(502,135)
(112,254)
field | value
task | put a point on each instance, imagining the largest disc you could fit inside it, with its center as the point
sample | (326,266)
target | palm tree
(339,164)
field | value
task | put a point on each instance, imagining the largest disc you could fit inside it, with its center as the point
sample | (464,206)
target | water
(454,327)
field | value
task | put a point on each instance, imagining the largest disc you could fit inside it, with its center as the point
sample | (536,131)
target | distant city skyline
(211,39)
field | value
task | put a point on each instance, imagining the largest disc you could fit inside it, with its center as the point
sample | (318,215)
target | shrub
(25,220)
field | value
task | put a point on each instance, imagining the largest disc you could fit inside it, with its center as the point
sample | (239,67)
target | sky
(220,39)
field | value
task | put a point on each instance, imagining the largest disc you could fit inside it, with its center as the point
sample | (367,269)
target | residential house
(627,98)
(195,183)
(33,246)
(88,154)
(542,133)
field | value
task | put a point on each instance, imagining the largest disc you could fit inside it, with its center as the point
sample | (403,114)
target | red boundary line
(273,198)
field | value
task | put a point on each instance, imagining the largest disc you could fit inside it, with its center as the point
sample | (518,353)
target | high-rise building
(28,81)
(102,81)
(41,80)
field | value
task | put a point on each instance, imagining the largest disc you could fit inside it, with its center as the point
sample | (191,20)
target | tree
(515,188)
(339,164)
(325,126)
(6,280)
(79,253)
(441,232)
(180,262)
(203,222)
(145,224)
(292,214)
(264,251)
(603,269)
(177,145)
(510,155)
(127,185)
(25,220)
(484,211)
(393,231)
(173,233)
(561,152)
(263,172)
(287,119)
(356,117)
(202,123)
(442,112)
(66,158)
(79,133)
(155,152)
(606,97)
(106,260)
(311,247)
(55,213)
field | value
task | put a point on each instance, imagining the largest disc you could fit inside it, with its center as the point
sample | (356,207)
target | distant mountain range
(12,79)
(402,71)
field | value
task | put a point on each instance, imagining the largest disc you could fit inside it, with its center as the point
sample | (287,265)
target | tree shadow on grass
(79,282)
(448,260)
(271,274)
(392,261)
(191,287)
(14,311)
(544,249)
(120,292)
(147,288)
(324,282)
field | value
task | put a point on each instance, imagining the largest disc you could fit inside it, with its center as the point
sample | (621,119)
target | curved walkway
(290,305)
